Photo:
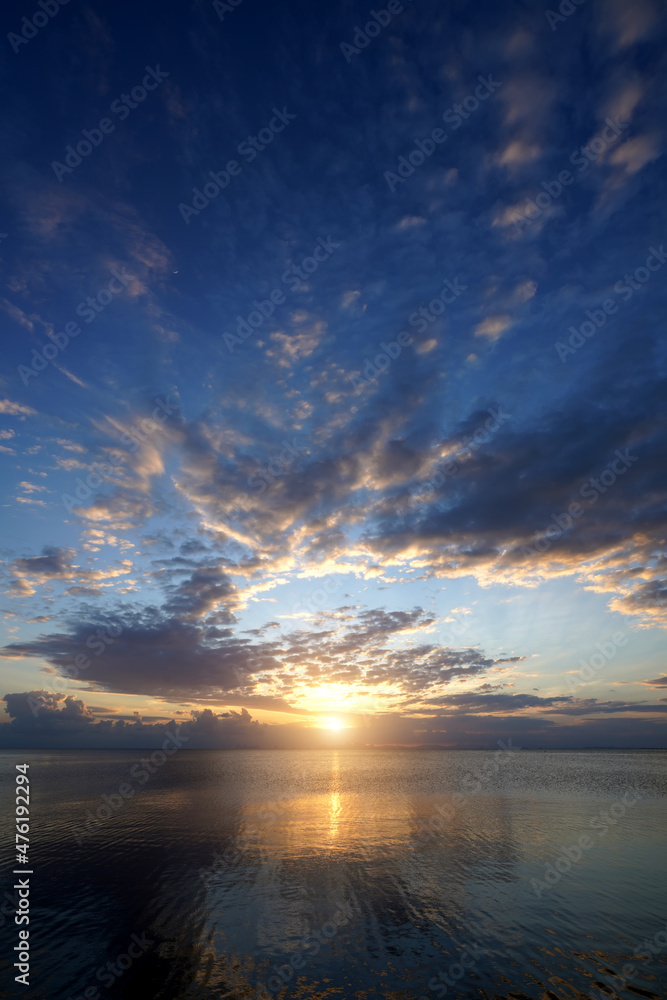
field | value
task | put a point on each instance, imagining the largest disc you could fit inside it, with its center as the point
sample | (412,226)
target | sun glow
(333,724)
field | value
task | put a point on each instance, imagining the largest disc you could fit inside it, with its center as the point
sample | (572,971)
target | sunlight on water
(352,874)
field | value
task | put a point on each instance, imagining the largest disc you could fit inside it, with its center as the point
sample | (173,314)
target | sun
(333,724)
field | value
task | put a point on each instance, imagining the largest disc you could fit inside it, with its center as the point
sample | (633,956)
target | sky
(332,395)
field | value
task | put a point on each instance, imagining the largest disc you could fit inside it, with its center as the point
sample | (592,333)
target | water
(229,865)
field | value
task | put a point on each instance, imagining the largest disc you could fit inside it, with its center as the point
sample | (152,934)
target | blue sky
(363,440)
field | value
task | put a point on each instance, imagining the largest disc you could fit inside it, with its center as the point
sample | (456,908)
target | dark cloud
(151,656)
(657,682)
(53,562)
(41,719)
(155,654)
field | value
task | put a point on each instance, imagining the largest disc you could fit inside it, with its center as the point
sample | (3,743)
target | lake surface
(343,874)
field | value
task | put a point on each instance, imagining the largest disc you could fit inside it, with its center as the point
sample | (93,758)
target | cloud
(371,502)
(54,562)
(55,565)
(493,327)
(16,409)
(518,154)
(635,153)
(46,719)
(628,22)
(159,654)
